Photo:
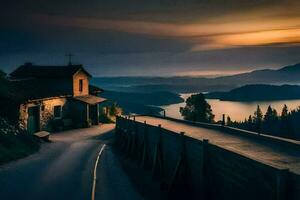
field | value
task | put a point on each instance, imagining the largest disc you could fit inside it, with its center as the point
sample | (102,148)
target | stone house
(51,98)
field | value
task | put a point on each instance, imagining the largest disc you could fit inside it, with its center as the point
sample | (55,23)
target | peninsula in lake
(141,103)
(259,92)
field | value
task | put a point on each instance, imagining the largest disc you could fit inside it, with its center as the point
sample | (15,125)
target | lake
(236,110)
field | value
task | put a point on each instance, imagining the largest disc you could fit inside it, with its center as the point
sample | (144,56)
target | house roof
(33,89)
(94,89)
(29,70)
(22,91)
(90,99)
(31,82)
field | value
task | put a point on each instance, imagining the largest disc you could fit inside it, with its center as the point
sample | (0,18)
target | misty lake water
(235,109)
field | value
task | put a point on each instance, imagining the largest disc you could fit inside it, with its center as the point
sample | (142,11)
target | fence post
(205,167)
(144,152)
(122,141)
(180,174)
(117,131)
(281,184)
(157,168)
(134,138)
(128,134)
(223,120)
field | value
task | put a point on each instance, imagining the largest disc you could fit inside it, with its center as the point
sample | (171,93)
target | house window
(80,85)
(57,111)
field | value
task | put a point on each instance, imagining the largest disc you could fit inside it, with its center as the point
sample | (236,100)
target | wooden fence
(195,169)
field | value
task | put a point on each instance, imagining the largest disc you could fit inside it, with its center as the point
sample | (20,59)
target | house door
(33,122)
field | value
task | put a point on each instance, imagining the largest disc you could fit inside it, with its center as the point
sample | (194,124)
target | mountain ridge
(289,74)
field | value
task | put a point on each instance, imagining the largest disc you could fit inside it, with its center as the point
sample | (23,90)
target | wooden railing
(197,169)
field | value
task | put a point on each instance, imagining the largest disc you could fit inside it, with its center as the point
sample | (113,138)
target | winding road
(64,169)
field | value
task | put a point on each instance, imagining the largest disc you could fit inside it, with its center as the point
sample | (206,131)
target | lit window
(81,85)
(57,111)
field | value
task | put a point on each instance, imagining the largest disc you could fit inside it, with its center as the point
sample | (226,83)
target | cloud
(155,37)
(202,36)
(209,73)
(284,37)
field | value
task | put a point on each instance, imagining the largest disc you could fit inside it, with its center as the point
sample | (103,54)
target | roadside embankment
(15,143)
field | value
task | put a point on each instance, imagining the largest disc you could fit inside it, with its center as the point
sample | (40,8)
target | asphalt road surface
(64,169)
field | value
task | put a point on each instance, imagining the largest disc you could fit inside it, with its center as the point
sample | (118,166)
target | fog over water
(235,109)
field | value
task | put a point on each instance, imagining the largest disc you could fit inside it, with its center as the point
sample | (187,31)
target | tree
(249,123)
(2,74)
(108,113)
(258,118)
(270,123)
(250,120)
(284,112)
(229,122)
(115,110)
(271,115)
(286,127)
(275,115)
(268,115)
(197,109)
(294,118)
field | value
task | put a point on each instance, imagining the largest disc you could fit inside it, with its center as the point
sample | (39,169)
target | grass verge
(13,147)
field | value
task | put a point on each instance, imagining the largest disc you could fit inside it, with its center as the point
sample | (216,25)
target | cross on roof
(70,58)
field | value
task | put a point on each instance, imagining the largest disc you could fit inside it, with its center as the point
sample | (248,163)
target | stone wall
(196,169)
(46,112)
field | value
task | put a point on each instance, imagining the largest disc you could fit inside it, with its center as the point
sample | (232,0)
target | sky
(151,38)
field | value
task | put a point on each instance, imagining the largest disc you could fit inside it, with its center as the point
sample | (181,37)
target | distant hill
(286,75)
(154,98)
(258,93)
(142,103)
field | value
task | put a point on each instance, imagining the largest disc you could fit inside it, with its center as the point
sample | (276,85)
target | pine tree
(249,123)
(268,115)
(270,123)
(229,122)
(258,118)
(284,112)
(2,74)
(275,115)
(286,127)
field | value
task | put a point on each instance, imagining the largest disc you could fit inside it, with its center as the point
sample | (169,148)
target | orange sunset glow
(150,99)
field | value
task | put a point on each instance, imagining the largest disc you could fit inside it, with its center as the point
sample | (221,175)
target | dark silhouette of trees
(197,109)
(258,118)
(249,123)
(2,74)
(229,122)
(270,121)
(294,125)
(286,125)
(284,112)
